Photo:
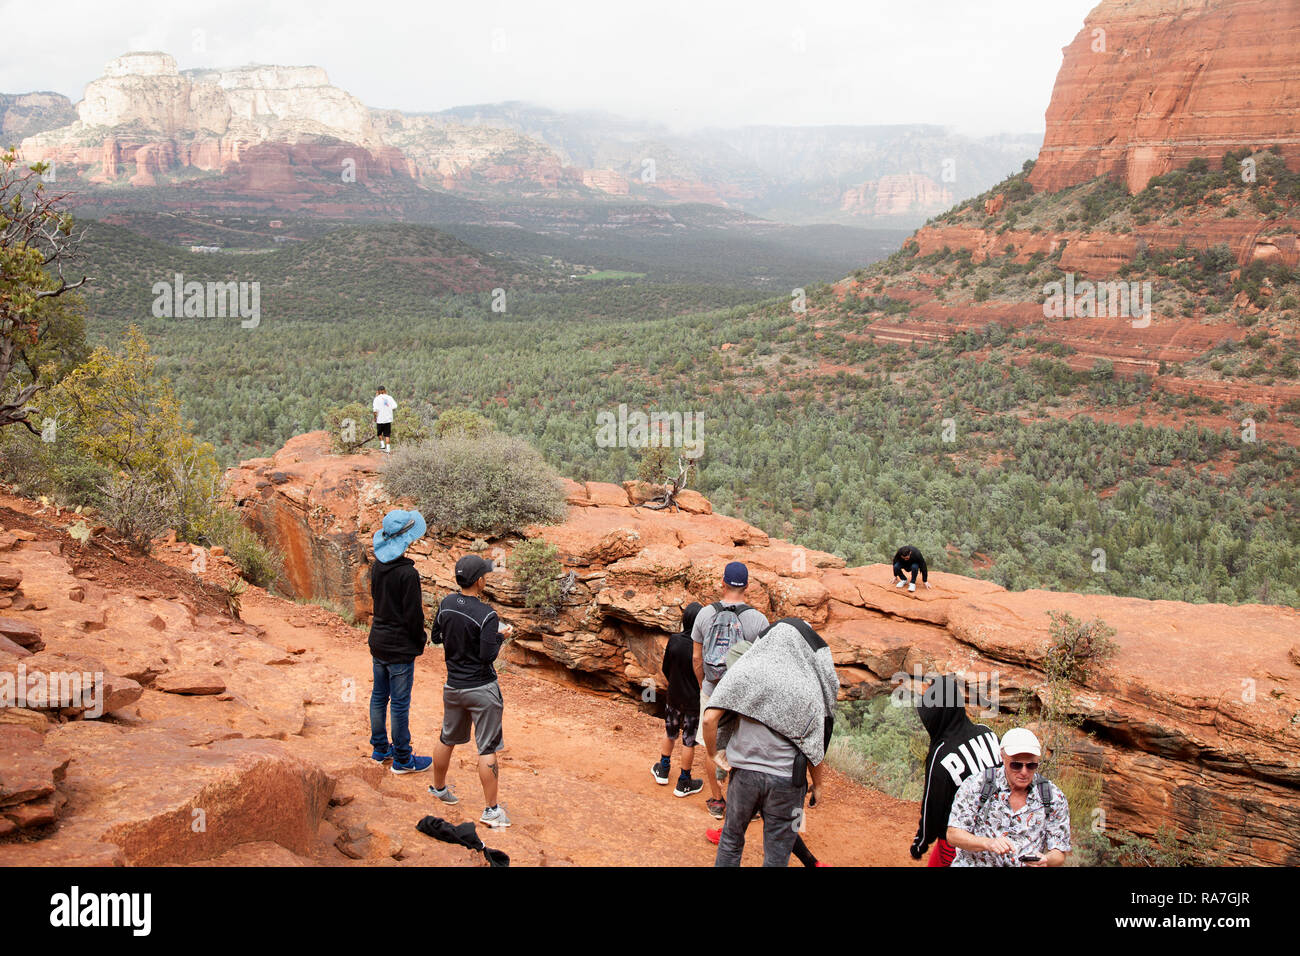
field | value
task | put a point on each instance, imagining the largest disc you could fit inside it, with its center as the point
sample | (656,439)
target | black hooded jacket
(679,666)
(959,749)
(397,628)
(908,557)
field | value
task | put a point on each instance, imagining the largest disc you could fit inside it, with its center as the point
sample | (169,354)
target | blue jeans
(393,682)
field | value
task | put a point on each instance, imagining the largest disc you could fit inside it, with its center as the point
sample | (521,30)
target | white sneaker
(899,584)
(911,587)
(446,794)
(495,818)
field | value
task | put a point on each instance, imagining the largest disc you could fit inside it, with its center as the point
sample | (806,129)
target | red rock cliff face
(1149,84)
(1174,734)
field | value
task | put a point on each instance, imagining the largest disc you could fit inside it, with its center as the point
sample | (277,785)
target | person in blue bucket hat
(396,638)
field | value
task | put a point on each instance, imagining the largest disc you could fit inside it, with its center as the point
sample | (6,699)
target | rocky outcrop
(106,758)
(1148,85)
(1196,720)
(904,195)
(26,114)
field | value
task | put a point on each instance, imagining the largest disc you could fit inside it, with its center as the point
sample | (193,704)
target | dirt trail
(575,775)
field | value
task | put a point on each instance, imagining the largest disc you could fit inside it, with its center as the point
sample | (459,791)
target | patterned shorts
(675,722)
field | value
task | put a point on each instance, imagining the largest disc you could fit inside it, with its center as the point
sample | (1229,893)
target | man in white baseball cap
(1010,815)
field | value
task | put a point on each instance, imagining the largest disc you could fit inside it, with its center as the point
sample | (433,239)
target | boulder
(196,682)
(22,633)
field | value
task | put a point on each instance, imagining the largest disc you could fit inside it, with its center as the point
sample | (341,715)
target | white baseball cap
(1018,740)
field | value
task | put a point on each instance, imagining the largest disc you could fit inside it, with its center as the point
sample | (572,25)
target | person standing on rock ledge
(396,638)
(472,635)
(382,412)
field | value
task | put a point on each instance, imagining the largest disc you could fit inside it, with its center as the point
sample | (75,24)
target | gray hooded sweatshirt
(787,682)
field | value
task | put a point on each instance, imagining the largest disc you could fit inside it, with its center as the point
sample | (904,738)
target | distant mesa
(286,136)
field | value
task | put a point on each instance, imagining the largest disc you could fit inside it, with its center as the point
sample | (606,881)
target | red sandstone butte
(1148,85)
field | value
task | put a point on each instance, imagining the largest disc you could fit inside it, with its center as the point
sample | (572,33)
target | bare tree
(672,488)
(37,243)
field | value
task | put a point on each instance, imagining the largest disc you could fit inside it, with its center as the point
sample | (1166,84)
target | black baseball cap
(470,568)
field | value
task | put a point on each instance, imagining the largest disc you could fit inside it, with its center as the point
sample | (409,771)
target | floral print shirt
(1033,828)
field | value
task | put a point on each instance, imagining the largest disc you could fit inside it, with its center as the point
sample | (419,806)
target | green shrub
(139,509)
(461,421)
(1075,653)
(536,567)
(258,563)
(882,746)
(494,484)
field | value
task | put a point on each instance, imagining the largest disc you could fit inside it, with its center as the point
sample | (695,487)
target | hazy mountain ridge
(146,122)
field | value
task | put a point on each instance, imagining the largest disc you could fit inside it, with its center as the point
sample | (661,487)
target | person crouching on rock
(681,714)
(908,560)
(472,635)
(773,713)
(396,638)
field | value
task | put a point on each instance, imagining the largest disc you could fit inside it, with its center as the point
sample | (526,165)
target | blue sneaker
(382,755)
(414,765)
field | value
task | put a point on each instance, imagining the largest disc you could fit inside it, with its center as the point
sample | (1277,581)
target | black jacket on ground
(679,666)
(471,633)
(908,556)
(959,749)
(397,628)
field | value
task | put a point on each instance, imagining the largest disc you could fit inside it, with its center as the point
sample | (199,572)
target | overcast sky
(981,66)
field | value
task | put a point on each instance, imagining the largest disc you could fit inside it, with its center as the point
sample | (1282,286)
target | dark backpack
(986,790)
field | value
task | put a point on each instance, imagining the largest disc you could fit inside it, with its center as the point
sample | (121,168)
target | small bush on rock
(489,485)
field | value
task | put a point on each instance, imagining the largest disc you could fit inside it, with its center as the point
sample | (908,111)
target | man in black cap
(472,635)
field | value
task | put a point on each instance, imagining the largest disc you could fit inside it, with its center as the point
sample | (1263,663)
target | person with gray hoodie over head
(773,713)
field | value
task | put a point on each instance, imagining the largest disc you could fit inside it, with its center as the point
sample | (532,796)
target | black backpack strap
(986,791)
(1044,791)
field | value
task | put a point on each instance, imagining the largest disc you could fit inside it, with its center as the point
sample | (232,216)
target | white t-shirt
(383,406)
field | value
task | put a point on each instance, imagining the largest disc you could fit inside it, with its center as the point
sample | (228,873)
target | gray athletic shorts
(478,706)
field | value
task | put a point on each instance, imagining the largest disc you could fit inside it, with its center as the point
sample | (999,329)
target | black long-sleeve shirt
(908,556)
(470,631)
(679,668)
(397,628)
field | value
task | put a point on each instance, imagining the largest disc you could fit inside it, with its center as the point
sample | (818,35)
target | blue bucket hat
(400,530)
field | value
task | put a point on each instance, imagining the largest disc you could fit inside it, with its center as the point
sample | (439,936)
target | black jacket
(679,665)
(471,633)
(397,629)
(906,556)
(959,749)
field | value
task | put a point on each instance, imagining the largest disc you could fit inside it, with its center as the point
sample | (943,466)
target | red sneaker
(713,836)
(821,863)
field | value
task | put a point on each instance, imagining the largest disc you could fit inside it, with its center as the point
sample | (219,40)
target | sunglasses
(1018,765)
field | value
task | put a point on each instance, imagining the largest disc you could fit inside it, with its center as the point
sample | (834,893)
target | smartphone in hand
(1031,858)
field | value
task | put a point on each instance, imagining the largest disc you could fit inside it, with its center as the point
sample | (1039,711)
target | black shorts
(683,722)
(384,429)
